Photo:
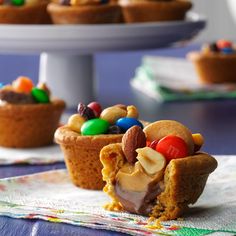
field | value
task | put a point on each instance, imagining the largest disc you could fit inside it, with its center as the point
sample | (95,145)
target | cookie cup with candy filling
(154,11)
(31,125)
(25,121)
(85,12)
(28,13)
(160,179)
(83,137)
(215,64)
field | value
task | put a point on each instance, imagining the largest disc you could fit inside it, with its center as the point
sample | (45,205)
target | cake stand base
(70,77)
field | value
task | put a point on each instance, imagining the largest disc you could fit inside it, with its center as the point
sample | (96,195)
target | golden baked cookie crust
(154,11)
(30,125)
(214,68)
(81,155)
(183,183)
(27,14)
(98,14)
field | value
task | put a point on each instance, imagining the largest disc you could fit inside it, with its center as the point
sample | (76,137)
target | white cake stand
(232,8)
(66,61)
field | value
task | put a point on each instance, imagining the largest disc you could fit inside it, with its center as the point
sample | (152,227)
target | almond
(133,139)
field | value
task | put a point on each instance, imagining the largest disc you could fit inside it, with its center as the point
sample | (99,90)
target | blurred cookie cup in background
(24,12)
(84,12)
(216,62)
(28,115)
(154,10)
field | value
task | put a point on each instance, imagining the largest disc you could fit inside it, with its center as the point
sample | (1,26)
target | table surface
(214,119)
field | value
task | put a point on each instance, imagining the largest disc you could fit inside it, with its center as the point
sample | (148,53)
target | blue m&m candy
(127,122)
(227,50)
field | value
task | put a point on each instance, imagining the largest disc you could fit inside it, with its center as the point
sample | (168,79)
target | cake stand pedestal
(68,76)
(66,62)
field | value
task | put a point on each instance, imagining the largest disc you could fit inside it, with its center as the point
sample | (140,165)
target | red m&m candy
(172,147)
(223,44)
(148,143)
(96,107)
(153,144)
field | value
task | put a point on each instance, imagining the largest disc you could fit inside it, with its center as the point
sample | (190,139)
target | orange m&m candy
(172,147)
(23,84)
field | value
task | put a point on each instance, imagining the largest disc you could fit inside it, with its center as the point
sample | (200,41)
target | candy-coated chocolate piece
(10,96)
(127,122)
(223,44)
(17,2)
(75,122)
(148,143)
(172,147)
(1,85)
(96,107)
(23,84)
(40,95)
(86,111)
(65,2)
(227,50)
(104,1)
(213,47)
(153,144)
(95,126)
(162,128)
(114,129)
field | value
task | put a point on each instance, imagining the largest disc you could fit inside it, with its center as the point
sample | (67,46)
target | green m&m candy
(94,127)
(17,2)
(40,95)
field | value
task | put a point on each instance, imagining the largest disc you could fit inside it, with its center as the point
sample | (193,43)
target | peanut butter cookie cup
(215,63)
(21,12)
(154,11)
(160,179)
(86,133)
(81,154)
(28,116)
(85,12)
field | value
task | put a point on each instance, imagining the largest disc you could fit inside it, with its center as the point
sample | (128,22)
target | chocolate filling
(139,202)
(16,98)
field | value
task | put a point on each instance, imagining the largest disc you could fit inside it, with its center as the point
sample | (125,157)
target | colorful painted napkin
(51,196)
(42,155)
(174,79)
